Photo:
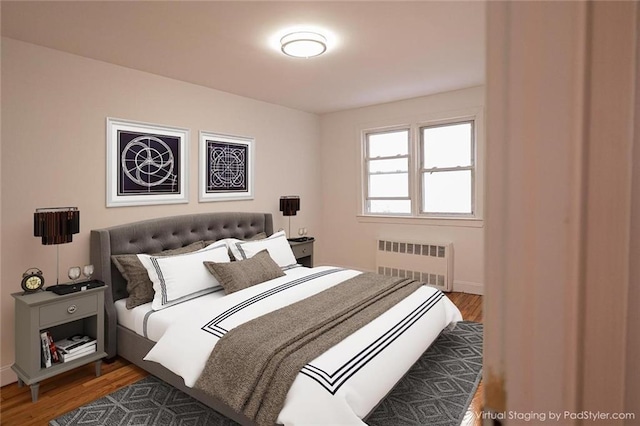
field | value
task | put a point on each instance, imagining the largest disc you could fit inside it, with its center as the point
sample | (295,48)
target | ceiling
(382,51)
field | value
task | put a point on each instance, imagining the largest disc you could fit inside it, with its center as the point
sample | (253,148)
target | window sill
(464,222)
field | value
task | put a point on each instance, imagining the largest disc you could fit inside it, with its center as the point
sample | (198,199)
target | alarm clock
(32,280)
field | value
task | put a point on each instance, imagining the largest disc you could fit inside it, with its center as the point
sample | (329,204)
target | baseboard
(468,287)
(7,376)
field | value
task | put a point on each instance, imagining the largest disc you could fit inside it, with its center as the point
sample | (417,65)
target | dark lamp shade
(289,205)
(56,225)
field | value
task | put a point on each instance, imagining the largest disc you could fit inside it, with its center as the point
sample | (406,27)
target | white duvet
(342,385)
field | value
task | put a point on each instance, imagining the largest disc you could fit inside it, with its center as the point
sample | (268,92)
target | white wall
(54,108)
(350,241)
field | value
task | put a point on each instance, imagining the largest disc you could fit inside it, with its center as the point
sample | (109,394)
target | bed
(142,332)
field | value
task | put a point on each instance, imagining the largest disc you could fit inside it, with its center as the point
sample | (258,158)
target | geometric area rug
(439,387)
(437,390)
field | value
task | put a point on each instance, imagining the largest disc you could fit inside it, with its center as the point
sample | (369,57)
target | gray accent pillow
(139,286)
(241,274)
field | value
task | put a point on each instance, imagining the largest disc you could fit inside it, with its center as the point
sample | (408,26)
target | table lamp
(289,206)
(56,225)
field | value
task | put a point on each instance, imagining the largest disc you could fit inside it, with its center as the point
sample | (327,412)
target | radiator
(431,263)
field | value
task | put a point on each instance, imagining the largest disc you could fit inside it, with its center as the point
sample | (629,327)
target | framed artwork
(226,167)
(146,163)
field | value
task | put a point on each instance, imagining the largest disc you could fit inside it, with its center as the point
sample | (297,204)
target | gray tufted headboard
(156,235)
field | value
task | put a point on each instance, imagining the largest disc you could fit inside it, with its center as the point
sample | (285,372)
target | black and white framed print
(226,167)
(146,163)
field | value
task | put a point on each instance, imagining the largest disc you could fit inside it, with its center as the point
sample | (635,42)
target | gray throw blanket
(253,366)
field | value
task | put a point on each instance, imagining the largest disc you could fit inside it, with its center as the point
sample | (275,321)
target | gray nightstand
(303,251)
(63,316)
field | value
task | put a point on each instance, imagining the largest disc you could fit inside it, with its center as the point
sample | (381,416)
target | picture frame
(226,167)
(146,163)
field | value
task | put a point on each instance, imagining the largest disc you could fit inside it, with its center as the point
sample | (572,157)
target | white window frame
(422,171)
(415,124)
(367,158)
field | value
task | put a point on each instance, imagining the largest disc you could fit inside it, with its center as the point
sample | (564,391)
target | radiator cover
(431,263)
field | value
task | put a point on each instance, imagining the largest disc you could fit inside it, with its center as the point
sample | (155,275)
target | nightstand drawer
(302,249)
(67,310)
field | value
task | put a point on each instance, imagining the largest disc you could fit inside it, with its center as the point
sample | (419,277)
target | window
(387,170)
(447,169)
(432,178)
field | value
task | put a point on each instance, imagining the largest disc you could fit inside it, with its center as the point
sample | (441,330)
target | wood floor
(80,386)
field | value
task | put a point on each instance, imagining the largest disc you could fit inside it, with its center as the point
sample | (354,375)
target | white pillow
(184,276)
(277,246)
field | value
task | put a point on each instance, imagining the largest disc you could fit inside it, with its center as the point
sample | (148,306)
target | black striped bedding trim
(144,323)
(295,265)
(148,314)
(332,382)
(163,285)
(213,326)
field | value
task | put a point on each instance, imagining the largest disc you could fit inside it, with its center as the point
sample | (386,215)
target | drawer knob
(304,250)
(71,309)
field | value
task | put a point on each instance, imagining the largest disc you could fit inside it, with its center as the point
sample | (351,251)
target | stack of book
(49,352)
(75,347)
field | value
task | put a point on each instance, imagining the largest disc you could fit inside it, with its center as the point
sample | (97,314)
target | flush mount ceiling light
(303,44)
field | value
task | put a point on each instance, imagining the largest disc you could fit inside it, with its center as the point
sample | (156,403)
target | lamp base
(57,263)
